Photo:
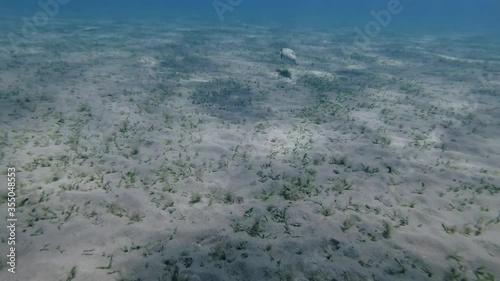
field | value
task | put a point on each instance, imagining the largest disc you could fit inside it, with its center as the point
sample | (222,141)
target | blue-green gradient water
(454,15)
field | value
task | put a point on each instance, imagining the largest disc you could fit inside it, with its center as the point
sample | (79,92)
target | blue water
(453,15)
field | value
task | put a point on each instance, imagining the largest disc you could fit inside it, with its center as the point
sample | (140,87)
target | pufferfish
(288,56)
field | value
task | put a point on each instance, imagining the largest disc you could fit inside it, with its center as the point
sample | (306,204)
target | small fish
(288,56)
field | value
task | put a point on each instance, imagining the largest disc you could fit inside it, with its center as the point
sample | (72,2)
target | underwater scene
(234,140)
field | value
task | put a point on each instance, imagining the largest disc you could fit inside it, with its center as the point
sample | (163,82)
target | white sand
(185,156)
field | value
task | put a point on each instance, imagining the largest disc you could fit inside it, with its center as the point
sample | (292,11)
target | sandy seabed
(153,151)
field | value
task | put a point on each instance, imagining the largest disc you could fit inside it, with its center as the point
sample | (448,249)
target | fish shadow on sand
(230,99)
